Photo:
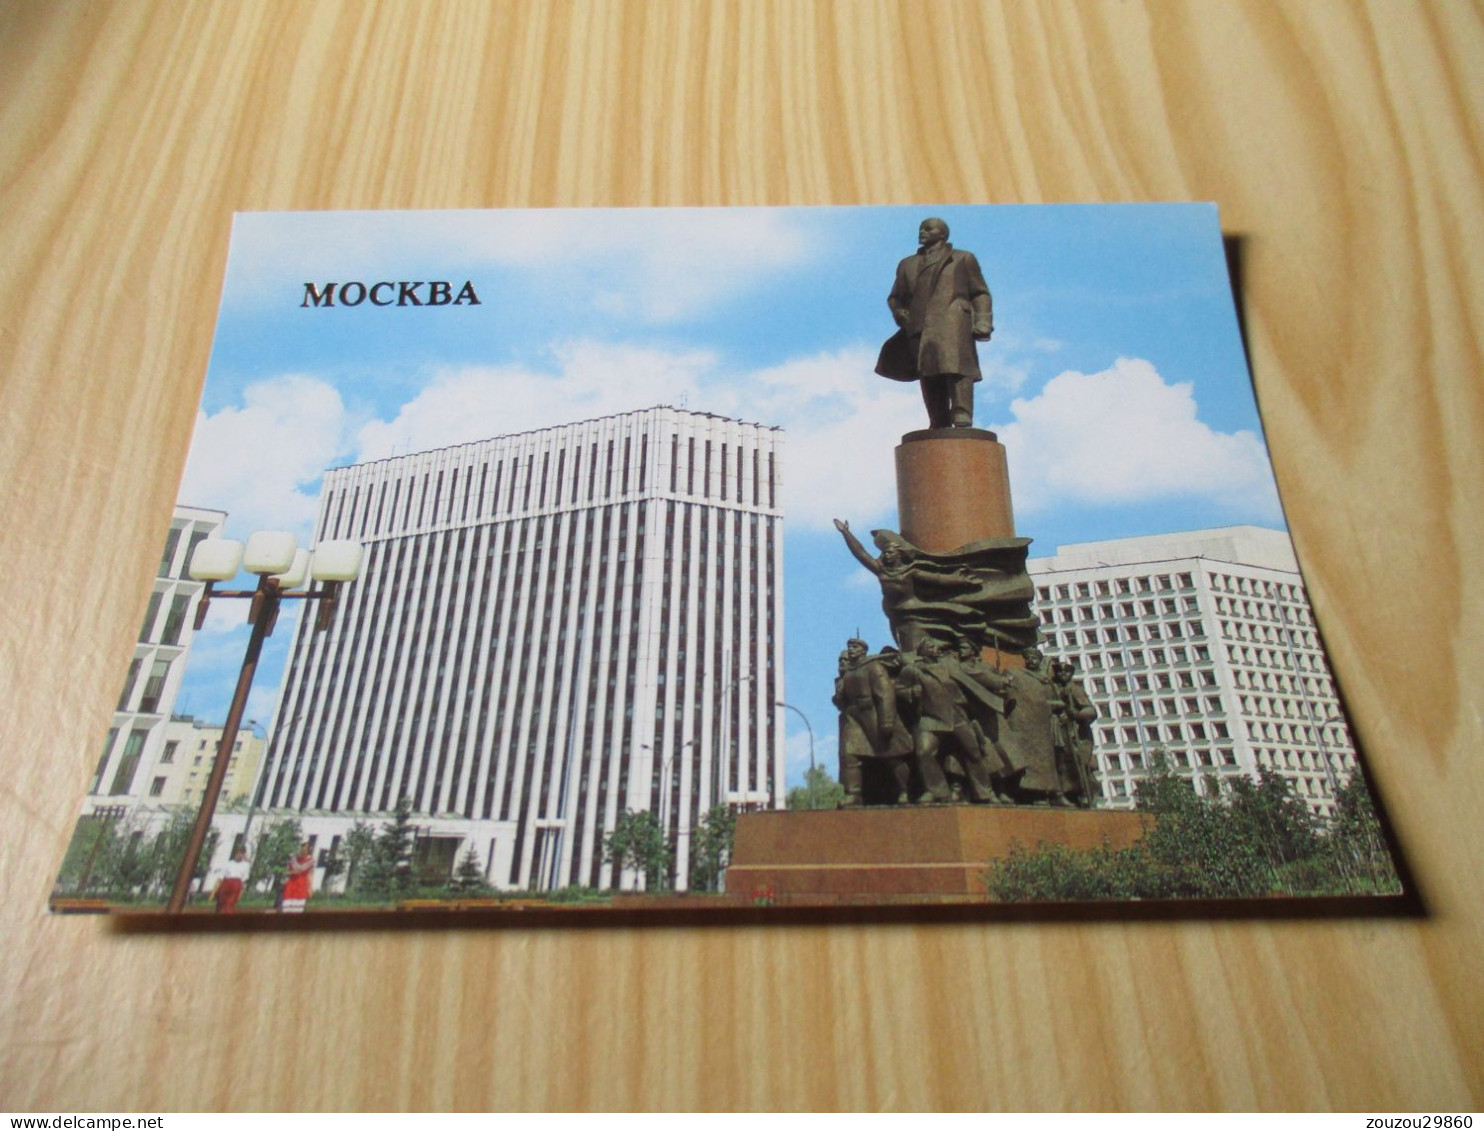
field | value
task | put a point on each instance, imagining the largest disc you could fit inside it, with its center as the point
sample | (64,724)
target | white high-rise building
(1202,644)
(550,628)
(136,739)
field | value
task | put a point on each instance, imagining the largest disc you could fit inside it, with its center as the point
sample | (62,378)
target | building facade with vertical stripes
(550,628)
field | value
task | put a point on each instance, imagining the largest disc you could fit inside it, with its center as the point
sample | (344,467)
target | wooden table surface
(1342,141)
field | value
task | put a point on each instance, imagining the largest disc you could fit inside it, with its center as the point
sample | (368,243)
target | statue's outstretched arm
(860,552)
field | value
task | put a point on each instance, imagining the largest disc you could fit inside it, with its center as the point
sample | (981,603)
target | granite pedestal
(927,851)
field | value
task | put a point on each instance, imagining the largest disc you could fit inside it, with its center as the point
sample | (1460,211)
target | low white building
(1203,645)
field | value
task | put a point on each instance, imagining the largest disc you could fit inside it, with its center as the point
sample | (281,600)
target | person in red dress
(234,878)
(301,868)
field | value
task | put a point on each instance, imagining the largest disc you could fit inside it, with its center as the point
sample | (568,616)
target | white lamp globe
(270,551)
(337,561)
(294,576)
(215,559)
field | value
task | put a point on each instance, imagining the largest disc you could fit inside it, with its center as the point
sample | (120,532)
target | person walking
(233,880)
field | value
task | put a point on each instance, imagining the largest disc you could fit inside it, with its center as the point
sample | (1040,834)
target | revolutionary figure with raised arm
(980,590)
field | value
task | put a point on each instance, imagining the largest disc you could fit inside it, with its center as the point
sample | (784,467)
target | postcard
(656,560)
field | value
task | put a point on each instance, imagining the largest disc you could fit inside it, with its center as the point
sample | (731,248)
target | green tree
(819,791)
(1270,816)
(109,857)
(1055,872)
(387,872)
(167,850)
(355,849)
(638,842)
(467,881)
(1258,839)
(87,865)
(275,843)
(1197,850)
(128,870)
(711,848)
(1356,843)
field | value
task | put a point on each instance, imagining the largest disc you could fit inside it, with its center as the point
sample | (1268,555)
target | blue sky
(1115,378)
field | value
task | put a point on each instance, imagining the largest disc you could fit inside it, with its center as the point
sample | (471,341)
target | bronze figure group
(935,724)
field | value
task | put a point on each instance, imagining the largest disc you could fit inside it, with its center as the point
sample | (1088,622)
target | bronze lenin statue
(942,306)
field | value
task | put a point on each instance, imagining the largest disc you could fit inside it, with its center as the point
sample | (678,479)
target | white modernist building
(550,628)
(136,744)
(1203,645)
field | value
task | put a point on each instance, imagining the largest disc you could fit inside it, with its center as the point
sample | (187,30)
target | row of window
(167,755)
(1191,758)
(1109,587)
(1306,761)
(157,787)
(1123,610)
(1264,610)
(1258,587)
(1137,658)
(1274,659)
(1264,634)
(1146,732)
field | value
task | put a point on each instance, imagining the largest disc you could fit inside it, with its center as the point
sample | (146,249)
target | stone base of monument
(937,852)
(953,488)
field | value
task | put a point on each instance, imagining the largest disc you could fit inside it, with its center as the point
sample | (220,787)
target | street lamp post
(721,775)
(665,784)
(665,779)
(281,566)
(810,729)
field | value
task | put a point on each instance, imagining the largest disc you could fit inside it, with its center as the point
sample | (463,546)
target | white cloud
(261,462)
(652,265)
(1122,436)
(1126,436)
(683,262)
(463,405)
(227,616)
(1007,364)
(842,423)
(261,702)
(224,617)
(1001,374)
(839,417)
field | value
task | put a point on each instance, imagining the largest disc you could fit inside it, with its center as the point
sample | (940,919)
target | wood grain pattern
(1342,143)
